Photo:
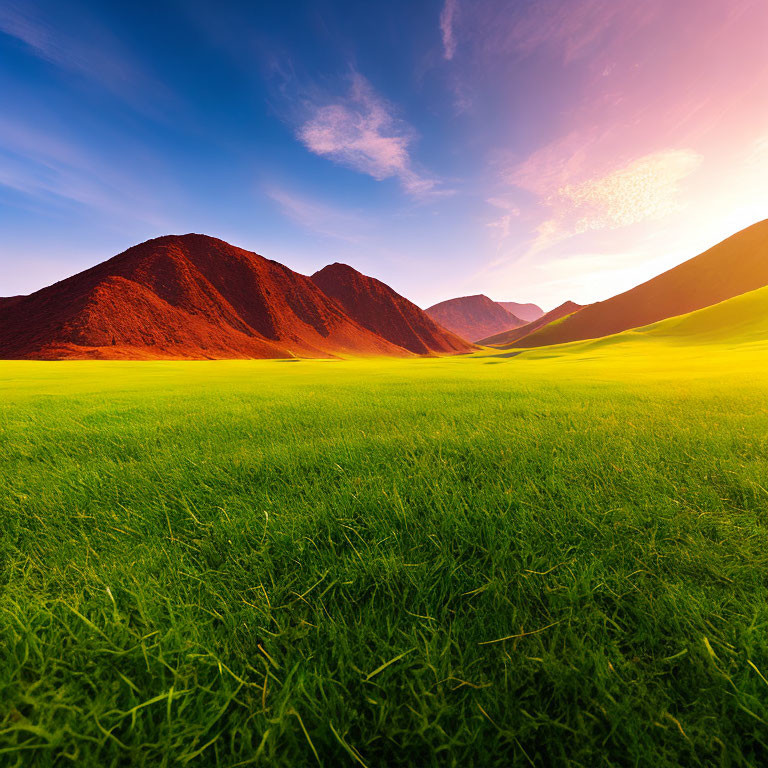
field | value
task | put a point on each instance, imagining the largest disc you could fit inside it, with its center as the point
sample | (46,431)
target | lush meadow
(554,558)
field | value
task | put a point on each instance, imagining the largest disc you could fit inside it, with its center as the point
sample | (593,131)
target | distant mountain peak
(473,317)
(526,312)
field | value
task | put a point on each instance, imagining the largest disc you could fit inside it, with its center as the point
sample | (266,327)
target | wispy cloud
(647,188)
(87,49)
(502,224)
(573,29)
(556,164)
(317,216)
(18,21)
(447,21)
(43,166)
(362,132)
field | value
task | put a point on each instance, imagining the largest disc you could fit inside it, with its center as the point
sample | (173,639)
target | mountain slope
(509,337)
(183,296)
(734,266)
(526,312)
(741,319)
(378,308)
(473,317)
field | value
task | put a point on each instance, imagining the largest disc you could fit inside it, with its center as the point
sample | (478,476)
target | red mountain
(381,310)
(526,312)
(184,296)
(473,317)
(516,334)
(735,266)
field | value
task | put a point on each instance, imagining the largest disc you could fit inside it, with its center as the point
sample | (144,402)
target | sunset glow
(541,151)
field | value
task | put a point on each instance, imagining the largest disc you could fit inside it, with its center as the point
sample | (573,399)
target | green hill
(742,319)
(703,341)
(733,267)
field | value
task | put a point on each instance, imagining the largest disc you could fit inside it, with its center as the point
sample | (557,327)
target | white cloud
(361,132)
(447,21)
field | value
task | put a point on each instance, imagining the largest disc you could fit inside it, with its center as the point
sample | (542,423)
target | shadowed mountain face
(187,296)
(381,310)
(735,266)
(526,312)
(509,337)
(473,317)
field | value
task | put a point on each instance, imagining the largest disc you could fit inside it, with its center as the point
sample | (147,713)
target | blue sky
(533,151)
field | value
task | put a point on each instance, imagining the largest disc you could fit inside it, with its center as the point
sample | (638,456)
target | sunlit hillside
(728,269)
(729,336)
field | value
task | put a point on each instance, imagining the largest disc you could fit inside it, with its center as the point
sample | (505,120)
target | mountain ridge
(184,297)
(382,310)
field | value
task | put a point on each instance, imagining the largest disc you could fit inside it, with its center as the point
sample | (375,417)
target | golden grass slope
(729,338)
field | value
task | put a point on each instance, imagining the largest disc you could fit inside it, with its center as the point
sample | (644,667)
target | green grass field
(558,558)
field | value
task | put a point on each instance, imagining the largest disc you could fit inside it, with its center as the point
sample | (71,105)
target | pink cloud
(575,28)
(647,188)
(447,21)
(361,132)
(502,223)
(556,164)
(578,198)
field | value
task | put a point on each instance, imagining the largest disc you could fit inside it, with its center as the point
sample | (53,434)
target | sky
(530,150)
